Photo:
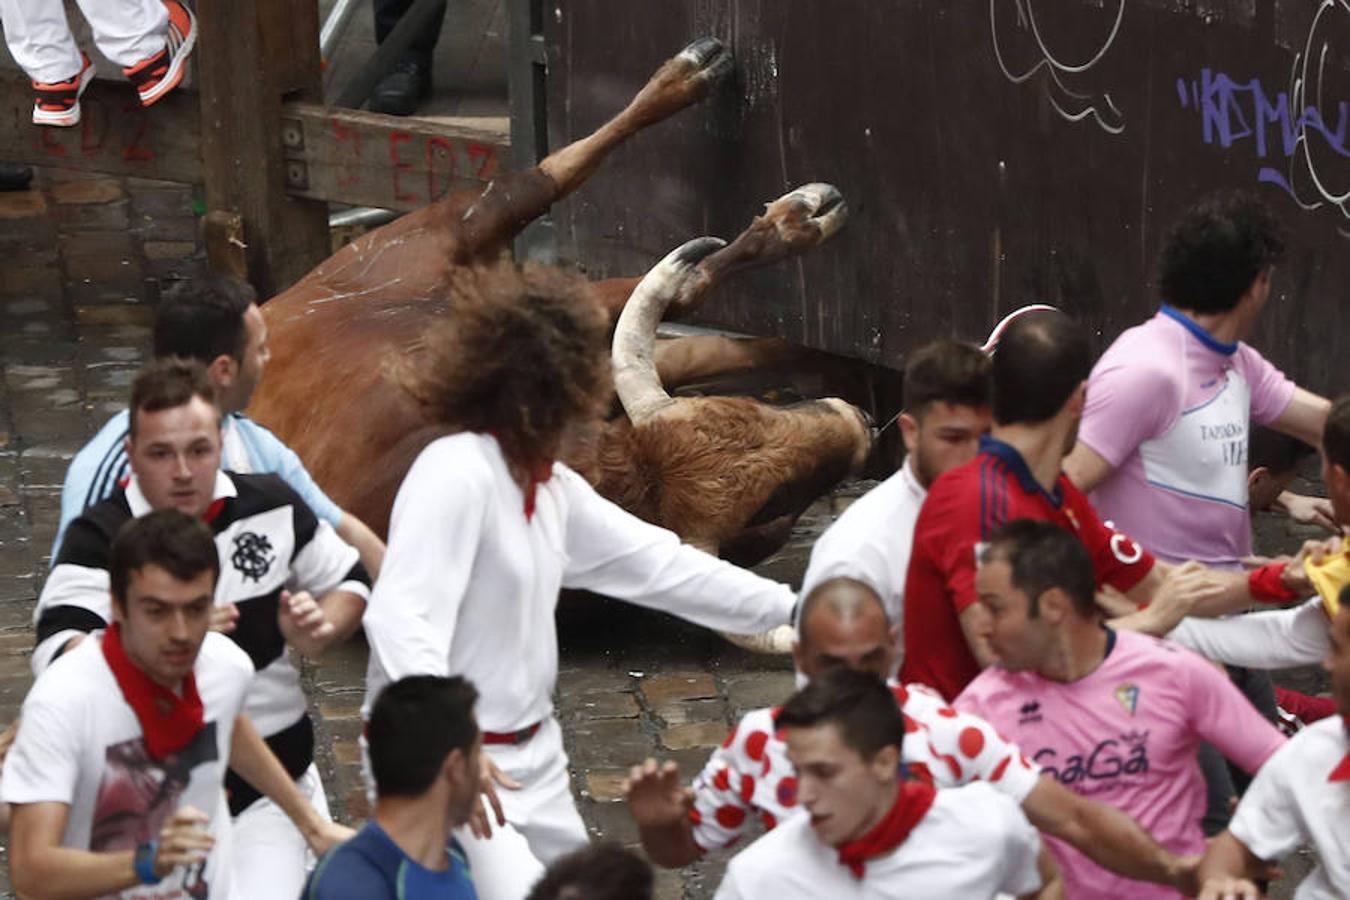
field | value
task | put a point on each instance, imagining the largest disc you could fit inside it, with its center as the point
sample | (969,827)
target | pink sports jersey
(750,776)
(1127,734)
(1169,408)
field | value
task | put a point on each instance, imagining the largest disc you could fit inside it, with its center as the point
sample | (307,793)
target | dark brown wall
(970,194)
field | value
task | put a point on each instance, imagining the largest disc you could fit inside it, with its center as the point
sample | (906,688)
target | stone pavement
(83,259)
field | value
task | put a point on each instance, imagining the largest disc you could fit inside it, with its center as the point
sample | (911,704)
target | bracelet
(144,862)
(1266,585)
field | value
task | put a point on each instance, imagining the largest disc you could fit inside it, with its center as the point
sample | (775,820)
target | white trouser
(39,37)
(269,858)
(1274,639)
(542,819)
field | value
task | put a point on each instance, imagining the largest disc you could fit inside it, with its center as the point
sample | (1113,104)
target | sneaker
(161,73)
(59,104)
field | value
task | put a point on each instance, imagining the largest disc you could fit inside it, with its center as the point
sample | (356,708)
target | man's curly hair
(1216,249)
(522,353)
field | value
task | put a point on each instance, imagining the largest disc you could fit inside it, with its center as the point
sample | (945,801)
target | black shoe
(15,177)
(398,92)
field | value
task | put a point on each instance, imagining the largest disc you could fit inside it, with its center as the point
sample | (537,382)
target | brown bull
(727,474)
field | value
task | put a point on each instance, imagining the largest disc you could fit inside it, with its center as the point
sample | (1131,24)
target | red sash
(168,722)
(911,805)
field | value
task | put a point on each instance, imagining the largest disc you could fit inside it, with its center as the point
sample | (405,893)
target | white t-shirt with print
(973,842)
(81,744)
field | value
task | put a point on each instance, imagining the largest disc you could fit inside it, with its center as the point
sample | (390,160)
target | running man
(1114,715)
(488,526)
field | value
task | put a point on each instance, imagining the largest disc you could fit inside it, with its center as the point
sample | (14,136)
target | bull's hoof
(711,60)
(811,213)
(691,253)
(777,642)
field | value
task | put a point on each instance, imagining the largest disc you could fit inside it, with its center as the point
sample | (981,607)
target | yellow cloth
(1330,577)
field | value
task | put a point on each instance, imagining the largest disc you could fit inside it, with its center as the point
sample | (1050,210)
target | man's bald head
(843,624)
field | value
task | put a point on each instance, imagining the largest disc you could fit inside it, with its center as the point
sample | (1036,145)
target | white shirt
(469,584)
(82,745)
(973,844)
(1267,639)
(1291,803)
(871,543)
(751,774)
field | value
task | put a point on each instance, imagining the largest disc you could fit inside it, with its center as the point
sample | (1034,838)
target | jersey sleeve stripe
(67,618)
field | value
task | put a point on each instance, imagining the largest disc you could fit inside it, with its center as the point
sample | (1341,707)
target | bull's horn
(779,641)
(674,278)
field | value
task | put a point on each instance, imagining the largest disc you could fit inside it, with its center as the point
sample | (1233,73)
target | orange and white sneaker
(161,73)
(59,104)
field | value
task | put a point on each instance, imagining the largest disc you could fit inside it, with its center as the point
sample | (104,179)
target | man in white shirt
(116,777)
(487,527)
(1299,796)
(872,831)
(946,411)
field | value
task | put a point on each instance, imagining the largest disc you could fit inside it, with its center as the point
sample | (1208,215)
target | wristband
(1266,585)
(144,862)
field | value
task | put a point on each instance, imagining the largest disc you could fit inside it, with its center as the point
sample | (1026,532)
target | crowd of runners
(1033,662)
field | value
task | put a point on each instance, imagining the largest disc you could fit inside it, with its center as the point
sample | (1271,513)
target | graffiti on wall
(1024,52)
(1298,131)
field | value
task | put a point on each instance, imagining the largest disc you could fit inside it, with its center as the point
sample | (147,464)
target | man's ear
(454,768)
(1055,605)
(1078,399)
(909,431)
(886,764)
(222,370)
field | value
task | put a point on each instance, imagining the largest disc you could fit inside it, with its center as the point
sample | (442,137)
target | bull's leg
(791,224)
(512,201)
(689,360)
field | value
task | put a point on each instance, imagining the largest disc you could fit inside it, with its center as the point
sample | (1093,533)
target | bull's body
(727,474)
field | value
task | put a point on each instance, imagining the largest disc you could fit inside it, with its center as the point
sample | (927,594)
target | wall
(992,154)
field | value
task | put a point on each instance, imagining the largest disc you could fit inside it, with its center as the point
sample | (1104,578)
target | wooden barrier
(269,154)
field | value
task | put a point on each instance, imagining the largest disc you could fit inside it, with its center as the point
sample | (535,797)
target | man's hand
(224,618)
(1181,589)
(327,836)
(1229,889)
(303,623)
(183,841)
(655,796)
(1308,510)
(490,778)
(1185,874)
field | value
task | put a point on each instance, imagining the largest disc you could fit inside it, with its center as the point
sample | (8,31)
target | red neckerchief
(911,804)
(1342,770)
(539,473)
(168,722)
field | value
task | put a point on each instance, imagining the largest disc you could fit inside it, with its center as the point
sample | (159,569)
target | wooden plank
(366,159)
(243,162)
(116,135)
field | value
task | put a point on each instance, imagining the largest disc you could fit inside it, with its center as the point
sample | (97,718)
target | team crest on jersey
(252,556)
(1128,695)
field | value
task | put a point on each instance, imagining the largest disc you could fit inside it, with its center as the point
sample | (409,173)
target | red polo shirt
(965,506)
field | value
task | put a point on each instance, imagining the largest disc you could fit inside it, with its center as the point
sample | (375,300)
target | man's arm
(612,552)
(367,543)
(313,626)
(1228,870)
(254,761)
(1304,418)
(1086,467)
(1107,836)
(41,867)
(1190,589)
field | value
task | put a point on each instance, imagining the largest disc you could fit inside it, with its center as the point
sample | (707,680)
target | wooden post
(249,54)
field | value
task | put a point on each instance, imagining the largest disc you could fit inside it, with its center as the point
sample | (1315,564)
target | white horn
(634,349)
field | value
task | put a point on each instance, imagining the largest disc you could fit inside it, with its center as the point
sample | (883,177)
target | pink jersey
(750,777)
(1127,734)
(1169,408)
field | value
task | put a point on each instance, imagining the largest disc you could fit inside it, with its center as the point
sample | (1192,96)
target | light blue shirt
(249,448)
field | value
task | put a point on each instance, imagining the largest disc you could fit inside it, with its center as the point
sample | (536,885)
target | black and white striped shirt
(268,540)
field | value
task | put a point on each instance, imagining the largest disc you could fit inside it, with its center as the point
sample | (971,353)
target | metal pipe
(339,17)
(362,215)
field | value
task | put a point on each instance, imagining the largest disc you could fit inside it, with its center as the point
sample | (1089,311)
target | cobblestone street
(82,261)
